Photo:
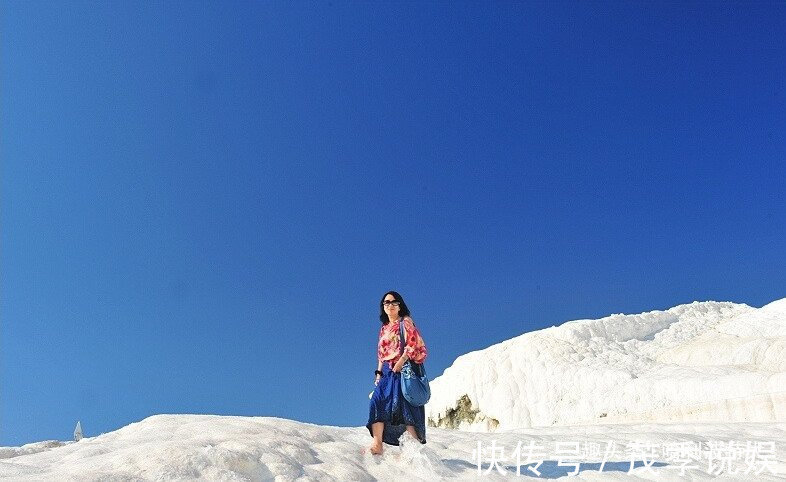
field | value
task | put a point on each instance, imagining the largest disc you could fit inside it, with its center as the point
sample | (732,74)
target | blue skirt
(389,405)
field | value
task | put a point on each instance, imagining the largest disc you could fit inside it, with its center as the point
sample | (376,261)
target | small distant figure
(78,432)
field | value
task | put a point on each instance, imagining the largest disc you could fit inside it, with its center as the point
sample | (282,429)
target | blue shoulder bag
(414,382)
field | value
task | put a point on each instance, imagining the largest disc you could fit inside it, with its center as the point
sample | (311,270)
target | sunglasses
(394,303)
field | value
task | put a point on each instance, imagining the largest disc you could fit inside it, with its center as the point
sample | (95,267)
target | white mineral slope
(205,447)
(704,361)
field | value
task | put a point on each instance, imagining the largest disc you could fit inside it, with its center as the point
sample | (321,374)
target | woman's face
(391,309)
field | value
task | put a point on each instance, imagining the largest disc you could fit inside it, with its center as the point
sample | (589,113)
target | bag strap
(418,367)
(402,336)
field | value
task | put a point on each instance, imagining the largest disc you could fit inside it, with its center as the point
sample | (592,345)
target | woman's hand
(376,380)
(400,363)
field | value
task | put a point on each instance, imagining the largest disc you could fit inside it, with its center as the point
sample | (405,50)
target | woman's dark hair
(402,307)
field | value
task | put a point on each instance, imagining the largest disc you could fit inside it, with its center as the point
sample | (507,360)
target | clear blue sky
(202,203)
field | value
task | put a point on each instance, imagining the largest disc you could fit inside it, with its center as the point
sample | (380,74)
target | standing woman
(390,414)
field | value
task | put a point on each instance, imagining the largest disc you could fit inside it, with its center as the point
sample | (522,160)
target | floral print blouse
(388,348)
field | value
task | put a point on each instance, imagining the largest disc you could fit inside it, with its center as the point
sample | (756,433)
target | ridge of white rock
(703,361)
(211,447)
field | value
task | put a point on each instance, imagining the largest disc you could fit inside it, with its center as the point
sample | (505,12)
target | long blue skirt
(389,405)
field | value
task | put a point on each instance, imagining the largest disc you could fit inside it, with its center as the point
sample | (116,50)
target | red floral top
(388,348)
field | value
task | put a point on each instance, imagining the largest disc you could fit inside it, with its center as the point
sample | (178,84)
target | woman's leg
(377,428)
(411,430)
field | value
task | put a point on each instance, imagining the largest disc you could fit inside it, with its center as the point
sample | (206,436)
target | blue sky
(201,204)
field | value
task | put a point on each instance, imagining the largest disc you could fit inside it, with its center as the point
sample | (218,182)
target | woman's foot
(376,448)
